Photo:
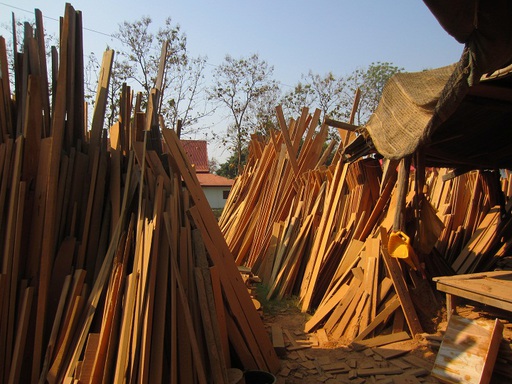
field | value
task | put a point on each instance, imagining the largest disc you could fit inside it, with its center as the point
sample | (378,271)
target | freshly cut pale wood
(468,351)
(381,340)
(490,288)
(400,286)
(382,316)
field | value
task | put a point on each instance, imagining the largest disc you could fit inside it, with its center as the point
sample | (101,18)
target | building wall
(214,195)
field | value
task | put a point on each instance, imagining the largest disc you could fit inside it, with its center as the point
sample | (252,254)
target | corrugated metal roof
(197,152)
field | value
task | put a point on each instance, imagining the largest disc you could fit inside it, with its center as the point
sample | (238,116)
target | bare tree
(182,90)
(370,80)
(238,85)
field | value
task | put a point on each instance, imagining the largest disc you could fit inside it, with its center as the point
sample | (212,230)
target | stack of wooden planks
(114,268)
(319,230)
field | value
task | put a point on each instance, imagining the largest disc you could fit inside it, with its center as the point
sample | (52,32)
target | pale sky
(294,37)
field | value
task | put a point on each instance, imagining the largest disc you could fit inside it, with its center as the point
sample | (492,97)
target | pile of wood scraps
(114,268)
(320,230)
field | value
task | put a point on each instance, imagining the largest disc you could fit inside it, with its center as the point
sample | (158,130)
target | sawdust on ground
(314,364)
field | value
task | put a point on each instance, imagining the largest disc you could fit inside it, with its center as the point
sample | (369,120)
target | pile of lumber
(114,268)
(319,230)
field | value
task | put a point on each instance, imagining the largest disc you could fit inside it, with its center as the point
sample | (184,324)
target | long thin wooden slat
(9,262)
(216,357)
(400,286)
(161,288)
(87,363)
(150,294)
(383,315)
(221,314)
(128,314)
(325,309)
(292,156)
(100,103)
(186,310)
(55,373)
(50,349)
(323,234)
(21,336)
(103,274)
(97,371)
(48,245)
(230,277)
(207,308)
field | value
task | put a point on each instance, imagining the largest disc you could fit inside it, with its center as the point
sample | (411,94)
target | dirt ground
(330,361)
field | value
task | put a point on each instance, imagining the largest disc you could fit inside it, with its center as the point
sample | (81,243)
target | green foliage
(232,166)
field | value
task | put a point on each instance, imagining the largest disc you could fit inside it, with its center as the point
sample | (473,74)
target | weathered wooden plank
(21,336)
(400,286)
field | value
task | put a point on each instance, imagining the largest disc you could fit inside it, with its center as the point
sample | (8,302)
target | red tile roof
(197,152)
(211,180)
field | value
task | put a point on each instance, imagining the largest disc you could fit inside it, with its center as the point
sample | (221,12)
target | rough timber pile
(111,270)
(321,232)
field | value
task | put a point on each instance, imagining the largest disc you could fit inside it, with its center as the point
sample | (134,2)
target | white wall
(214,196)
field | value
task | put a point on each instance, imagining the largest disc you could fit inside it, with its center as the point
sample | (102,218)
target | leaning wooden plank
(382,316)
(89,357)
(9,262)
(186,309)
(157,344)
(128,314)
(93,250)
(77,286)
(21,336)
(103,274)
(468,351)
(150,290)
(342,306)
(352,312)
(323,234)
(50,349)
(216,357)
(221,313)
(55,374)
(251,329)
(100,103)
(234,288)
(107,373)
(209,299)
(112,306)
(48,243)
(326,308)
(400,286)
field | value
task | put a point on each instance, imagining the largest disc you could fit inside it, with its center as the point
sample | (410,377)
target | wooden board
(468,351)
(488,288)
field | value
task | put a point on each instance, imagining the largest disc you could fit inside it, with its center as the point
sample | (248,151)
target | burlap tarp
(407,104)
(414,106)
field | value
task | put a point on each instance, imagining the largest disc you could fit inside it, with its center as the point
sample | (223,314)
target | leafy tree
(370,80)
(231,167)
(183,75)
(239,85)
